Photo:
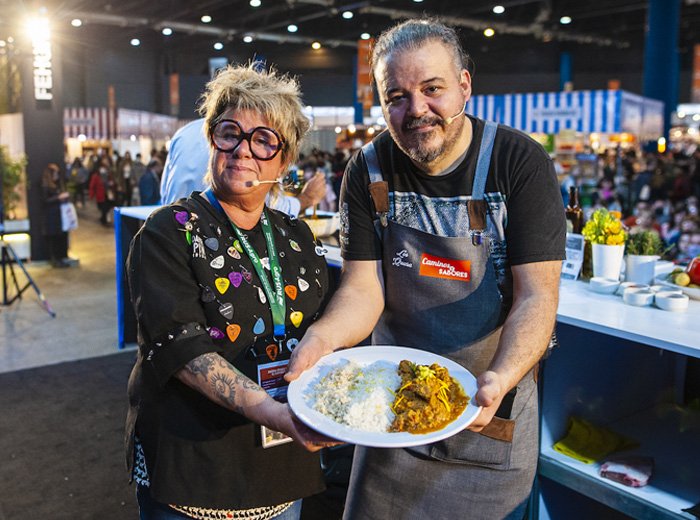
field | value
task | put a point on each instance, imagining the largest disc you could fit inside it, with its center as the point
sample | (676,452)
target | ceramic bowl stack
(641,295)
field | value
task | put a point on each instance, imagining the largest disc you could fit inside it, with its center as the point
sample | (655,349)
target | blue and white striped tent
(602,111)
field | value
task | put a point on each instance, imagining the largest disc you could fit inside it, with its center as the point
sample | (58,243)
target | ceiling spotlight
(498,9)
(292,28)
(167,31)
(418,1)
(255,3)
(206,18)
(247,39)
(76,22)
(348,15)
(338,129)
(316,46)
(488,32)
(135,42)
(218,46)
(365,36)
(565,20)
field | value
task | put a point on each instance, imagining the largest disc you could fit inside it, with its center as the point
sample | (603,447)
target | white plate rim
(691,292)
(363,356)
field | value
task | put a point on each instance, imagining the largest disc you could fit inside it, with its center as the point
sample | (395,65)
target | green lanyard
(276,296)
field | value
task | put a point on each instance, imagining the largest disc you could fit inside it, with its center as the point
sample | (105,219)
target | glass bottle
(574,212)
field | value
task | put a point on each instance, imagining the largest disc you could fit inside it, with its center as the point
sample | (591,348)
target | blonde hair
(248,87)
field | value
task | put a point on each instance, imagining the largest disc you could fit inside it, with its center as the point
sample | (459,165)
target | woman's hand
(283,420)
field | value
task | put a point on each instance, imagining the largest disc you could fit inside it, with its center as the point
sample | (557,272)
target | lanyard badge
(275,290)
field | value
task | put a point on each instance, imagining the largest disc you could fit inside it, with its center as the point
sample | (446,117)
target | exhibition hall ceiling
(179,24)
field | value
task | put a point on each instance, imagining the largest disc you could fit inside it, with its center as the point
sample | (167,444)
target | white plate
(363,356)
(690,291)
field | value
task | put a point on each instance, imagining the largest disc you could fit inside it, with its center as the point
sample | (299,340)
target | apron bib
(441,295)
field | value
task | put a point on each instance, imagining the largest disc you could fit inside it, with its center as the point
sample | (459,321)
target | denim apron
(456,313)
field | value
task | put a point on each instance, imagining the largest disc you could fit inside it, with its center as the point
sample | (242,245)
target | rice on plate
(357,396)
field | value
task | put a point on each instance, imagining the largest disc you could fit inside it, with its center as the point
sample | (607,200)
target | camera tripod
(8,259)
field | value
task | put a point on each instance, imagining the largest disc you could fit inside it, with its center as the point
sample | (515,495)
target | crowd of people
(112,179)
(653,191)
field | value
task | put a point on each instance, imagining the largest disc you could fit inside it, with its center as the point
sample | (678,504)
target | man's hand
(309,350)
(313,191)
(489,396)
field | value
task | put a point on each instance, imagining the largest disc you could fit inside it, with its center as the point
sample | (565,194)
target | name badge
(271,379)
(448,268)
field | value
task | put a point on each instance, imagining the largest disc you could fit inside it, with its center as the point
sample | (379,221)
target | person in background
(79,176)
(481,201)
(187,163)
(53,194)
(149,184)
(124,179)
(97,191)
(201,429)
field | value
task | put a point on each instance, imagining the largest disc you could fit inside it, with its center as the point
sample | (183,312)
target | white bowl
(603,285)
(638,296)
(665,290)
(324,224)
(671,301)
(629,285)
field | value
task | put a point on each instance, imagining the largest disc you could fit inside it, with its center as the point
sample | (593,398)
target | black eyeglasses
(264,142)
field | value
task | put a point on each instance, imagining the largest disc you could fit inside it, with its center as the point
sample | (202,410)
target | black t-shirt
(527,221)
(195,291)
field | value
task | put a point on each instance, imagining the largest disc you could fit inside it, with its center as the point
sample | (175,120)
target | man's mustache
(416,122)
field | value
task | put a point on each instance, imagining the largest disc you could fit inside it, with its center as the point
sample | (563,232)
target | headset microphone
(448,120)
(258,183)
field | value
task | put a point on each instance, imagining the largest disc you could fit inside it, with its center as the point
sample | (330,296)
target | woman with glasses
(223,288)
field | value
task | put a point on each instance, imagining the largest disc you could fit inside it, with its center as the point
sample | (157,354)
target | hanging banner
(695,92)
(364,75)
(174,94)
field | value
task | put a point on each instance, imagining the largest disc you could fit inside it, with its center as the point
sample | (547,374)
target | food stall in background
(89,129)
(577,126)
(685,128)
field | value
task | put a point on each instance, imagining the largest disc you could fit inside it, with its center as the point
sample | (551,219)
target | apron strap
(378,187)
(477,207)
(484,160)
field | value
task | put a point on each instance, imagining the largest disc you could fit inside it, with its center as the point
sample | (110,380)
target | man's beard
(419,149)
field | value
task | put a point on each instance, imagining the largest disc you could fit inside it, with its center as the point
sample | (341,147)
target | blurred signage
(174,94)
(42,70)
(364,75)
(215,65)
(695,93)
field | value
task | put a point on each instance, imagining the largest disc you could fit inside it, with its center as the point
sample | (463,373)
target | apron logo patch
(437,267)
(399,259)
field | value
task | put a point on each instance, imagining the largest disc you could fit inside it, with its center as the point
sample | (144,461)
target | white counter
(608,314)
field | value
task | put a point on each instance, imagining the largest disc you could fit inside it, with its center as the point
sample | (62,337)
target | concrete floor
(83,298)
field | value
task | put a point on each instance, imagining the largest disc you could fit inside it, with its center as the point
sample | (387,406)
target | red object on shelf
(693,270)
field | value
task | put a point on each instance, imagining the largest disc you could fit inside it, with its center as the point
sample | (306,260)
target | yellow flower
(604,227)
(615,240)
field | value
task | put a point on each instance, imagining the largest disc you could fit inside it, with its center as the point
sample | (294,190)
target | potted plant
(12,176)
(644,248)
(607,236)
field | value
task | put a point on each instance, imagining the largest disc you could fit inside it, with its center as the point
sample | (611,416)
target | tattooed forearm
(216,378)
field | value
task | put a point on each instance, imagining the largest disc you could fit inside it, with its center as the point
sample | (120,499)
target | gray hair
(413,34)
